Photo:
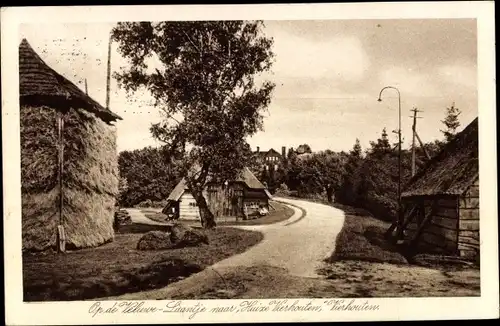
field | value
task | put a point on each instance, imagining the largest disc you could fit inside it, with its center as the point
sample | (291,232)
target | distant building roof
(39,82)
(453,170)
(270,152)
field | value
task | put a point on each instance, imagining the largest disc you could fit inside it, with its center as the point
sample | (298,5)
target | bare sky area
(328,75)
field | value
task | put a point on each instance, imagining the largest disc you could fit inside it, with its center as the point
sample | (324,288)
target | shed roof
(453,170)
(38,81)
(246,176)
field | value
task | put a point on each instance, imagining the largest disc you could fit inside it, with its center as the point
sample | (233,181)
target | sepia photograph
(249,159)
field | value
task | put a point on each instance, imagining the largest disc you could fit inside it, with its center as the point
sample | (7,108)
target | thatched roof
(38,83)
(246,176)
(453,170)
(179,189)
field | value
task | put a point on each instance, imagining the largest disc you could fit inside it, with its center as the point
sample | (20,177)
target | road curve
(138,217)
(299,244)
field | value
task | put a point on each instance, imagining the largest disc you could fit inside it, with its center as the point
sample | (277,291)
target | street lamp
(398,223)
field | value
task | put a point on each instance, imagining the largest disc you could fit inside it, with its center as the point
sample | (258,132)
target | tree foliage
(146,174)
(205,86)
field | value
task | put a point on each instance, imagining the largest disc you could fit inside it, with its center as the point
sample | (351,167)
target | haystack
(69,167)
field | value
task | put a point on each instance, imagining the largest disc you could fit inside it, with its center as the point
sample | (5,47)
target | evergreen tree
(382,145)
(451,122)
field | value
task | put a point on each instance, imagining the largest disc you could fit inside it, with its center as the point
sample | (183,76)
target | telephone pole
(86,89)
(108,74)
(414,129)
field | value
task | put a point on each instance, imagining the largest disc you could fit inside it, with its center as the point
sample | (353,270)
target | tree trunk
(206,216)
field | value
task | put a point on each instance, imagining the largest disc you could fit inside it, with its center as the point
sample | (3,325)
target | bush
(282,190)
(155,240)
(148,203)
(184,236)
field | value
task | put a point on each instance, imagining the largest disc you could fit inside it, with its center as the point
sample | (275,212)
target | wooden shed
(442,200)
(69,167)
(226,200)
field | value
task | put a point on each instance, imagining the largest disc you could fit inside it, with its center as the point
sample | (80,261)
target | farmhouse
(271,159)
(443,200)
(68,160)
(231,199)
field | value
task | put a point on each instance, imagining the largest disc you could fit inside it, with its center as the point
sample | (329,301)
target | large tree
(205,86)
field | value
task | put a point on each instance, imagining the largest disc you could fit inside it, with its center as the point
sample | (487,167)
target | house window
(192,204)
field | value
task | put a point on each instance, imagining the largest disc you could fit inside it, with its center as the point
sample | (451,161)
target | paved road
(299,244)
(138,217)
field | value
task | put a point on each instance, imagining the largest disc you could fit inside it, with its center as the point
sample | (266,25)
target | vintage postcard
(236,163)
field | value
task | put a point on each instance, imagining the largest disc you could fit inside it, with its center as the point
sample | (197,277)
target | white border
(486,306)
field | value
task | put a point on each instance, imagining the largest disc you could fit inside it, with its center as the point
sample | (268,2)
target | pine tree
(356,150)
(451,122)
(382,145)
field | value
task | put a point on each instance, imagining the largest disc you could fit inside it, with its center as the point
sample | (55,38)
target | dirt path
(138,217)
(296,246)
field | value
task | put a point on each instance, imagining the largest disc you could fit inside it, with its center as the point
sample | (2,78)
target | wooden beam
(422,145)
(422,225)
(60,158)
(410,216)
(108,74)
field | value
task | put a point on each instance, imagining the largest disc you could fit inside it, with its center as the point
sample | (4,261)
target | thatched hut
(69,169)
(442,200)
(244,194)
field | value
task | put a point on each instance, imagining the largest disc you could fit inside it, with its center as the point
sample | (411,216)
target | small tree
(451,122)
(205,86)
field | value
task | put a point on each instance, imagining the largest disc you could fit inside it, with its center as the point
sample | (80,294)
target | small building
(69,164)
(245,195)
(442,200)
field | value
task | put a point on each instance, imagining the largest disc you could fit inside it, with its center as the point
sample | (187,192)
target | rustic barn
(227,200)
(69,163)
(442,200)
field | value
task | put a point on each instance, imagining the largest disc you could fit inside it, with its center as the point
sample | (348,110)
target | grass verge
(362,239)
(280,213)
(117,267)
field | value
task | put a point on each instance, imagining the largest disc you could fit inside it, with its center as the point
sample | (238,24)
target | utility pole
(86,89)
(414,129)
(108,79)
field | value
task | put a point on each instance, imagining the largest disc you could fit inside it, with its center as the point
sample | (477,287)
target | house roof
(38,82)
(270,152)
(453,170)
(179,189)
(246,176)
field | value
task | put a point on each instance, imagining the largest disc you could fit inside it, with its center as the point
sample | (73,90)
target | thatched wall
(39,177)
(90,178)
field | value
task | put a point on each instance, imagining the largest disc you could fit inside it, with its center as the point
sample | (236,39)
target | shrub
(155,240)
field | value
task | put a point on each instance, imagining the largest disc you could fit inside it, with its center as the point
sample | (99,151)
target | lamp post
(399,221)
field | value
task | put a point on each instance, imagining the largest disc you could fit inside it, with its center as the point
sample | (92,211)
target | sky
(328,76)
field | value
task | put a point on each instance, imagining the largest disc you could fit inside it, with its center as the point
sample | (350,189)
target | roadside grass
(362,239)
(118,267)
(280,213)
